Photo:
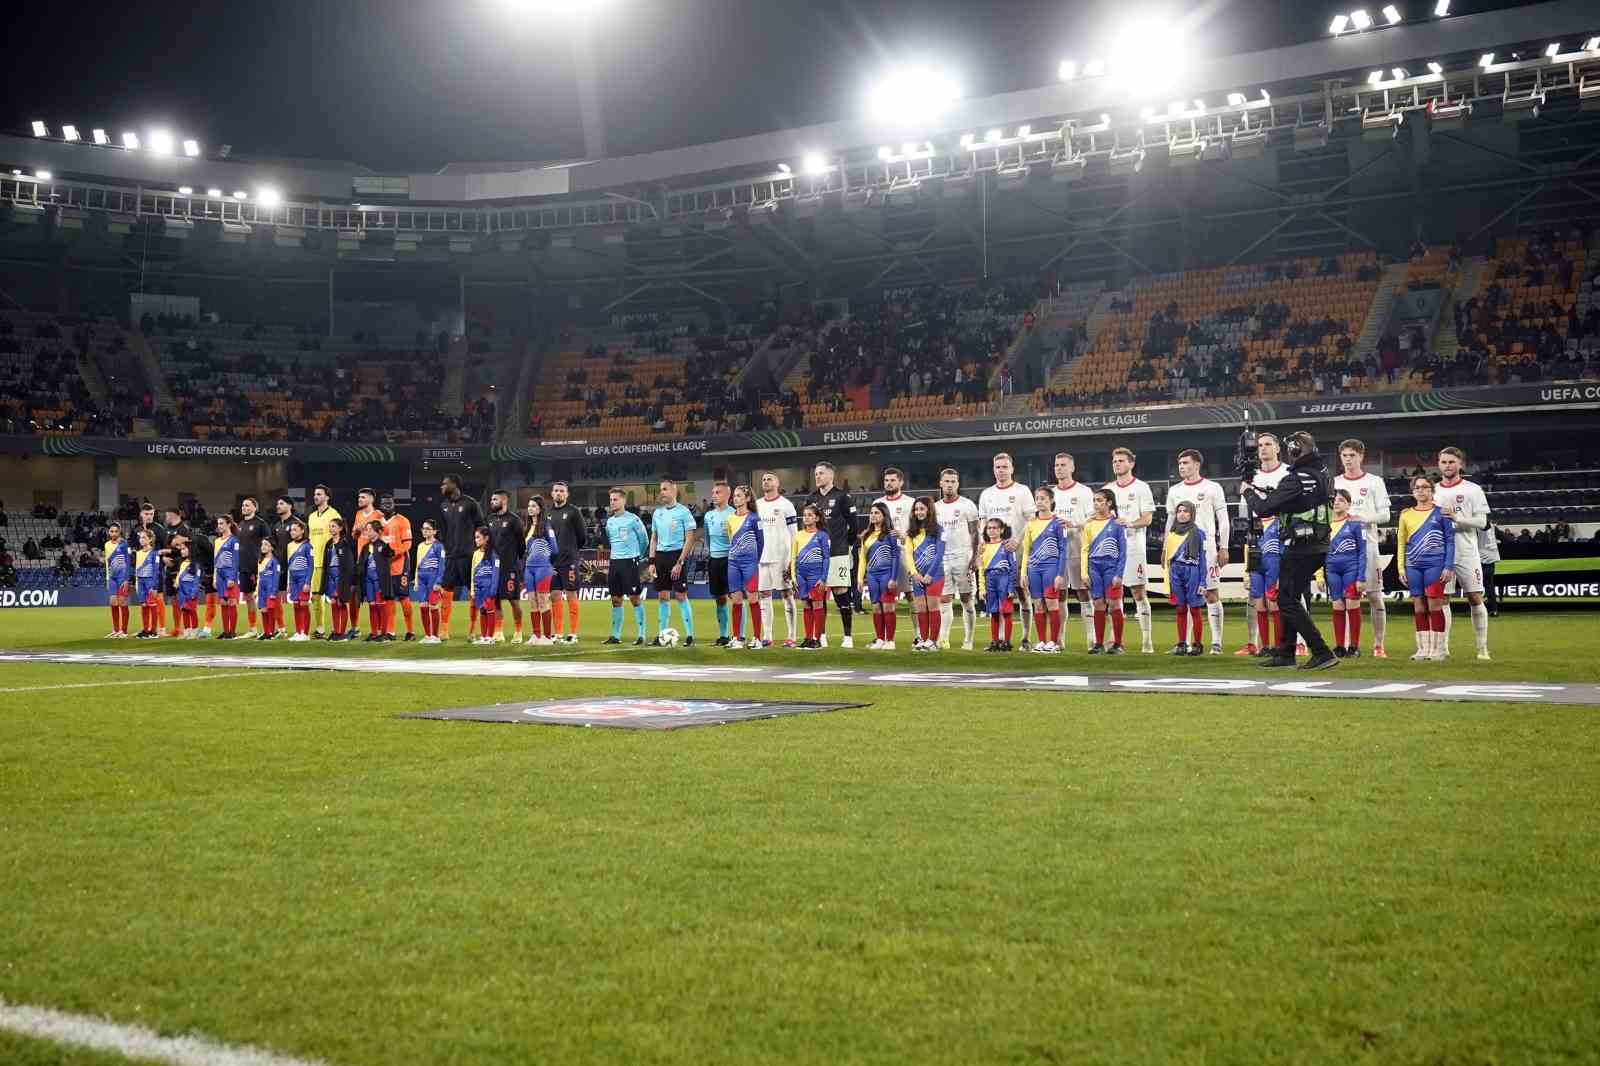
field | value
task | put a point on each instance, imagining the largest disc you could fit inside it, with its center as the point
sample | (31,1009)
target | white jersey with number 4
(1468,508)
(899,511)
(1013,505)
(956,519)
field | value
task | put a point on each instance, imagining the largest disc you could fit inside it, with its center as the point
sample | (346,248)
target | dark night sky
(410,84)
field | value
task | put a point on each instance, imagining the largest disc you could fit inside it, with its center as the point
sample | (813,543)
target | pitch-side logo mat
(630,712)
(1031,681)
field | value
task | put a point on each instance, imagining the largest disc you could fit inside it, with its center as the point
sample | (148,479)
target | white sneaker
(1483,656)
(572,638)
(1147,650)
(113,635)
(888,645)
(1216,649)
(944,643)
(1422,657)
(498,638)
(756,645)
(966,645)
(205,634)
(299,638)
(846,642)
(735,644)
(823,640)
(428,640)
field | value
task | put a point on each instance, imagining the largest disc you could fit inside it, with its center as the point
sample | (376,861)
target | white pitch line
(134,1041)
(145,681)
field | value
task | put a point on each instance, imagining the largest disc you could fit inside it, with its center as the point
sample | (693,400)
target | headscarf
(1185,528)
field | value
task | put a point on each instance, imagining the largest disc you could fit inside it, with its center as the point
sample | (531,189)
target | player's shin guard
(1118,619)
(1214,616)
(1142,609)
(1480,626)
(947,615)
(686,616)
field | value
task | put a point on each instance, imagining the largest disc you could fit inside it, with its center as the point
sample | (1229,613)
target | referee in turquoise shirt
(672,533)
(625,545)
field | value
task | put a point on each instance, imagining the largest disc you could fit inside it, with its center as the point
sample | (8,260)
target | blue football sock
(638,619)
(663,608)
(616,622)
(722,619)
(686,612)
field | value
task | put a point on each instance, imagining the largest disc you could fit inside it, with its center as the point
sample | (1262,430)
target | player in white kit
(1012,504)
(1136,509)
(958,526)
(1074,507)
(1269,471)
(778,522)
(1468,509)
(1369,505)
(1211,517)
(895,499)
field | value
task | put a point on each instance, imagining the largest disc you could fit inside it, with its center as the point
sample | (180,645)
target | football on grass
(667,638)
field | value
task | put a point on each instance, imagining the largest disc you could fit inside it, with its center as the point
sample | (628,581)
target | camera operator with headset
(1303,503)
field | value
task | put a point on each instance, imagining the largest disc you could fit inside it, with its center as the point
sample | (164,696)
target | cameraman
(1302,502)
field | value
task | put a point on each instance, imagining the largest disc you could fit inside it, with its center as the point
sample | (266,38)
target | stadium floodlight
(1360,19)
(1553,49)
(1199,104)
(1486,60)
(1176,107)
(1129,162)
(915,91)
(1236,99)
(1067,169)
(16,172)
(994,136)
(1105,119)
(1400,73)
(1186,153)
(784,168)
(1592,45)
(1023,131)
(160,142)
(1441,9)
(1094,68)
(1147,113)
(101,137)
(1449,115)
(130,141)
(1266,97)
(1375,78)
(1067,70)
(908,149)
(240,194)
(1381,125)
(1519,106)
(967,139)
(1249,144)
(885,152)
(191,148)
(43,175)
(40,129)
(1589,94)
(814,163)
(214,193)
(70,133)
(186,190)
(268,197)
(1391,13)
(1434,67)
(1338,24)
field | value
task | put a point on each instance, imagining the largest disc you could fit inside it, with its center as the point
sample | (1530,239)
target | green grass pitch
(937,878)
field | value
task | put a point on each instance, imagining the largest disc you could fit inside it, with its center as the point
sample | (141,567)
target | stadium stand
(44,359)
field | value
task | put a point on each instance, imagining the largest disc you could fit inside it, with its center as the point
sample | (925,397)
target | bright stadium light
(1361,19)
(1391,13)
(43,175)
(1094,68)
(1486,60)
(1151,53)
(1199,104)
(1147,113)
(191,148)
(1337,26)
(1023,131)
(214,193)
(1592,45)
(1441,9)
(160,142)
(814,163)
(267,196)
(185,190)
(1175,107)
(1375,77)
(908,149)
(1553,49)
(885,152)
(1105,119)
(130,141)
(1067,70)
(1236,99)
(1435,68)
(70,132)
(967,139)
(1266,97)
(101,137)
(784,168)
(1400,73)
(907,93)
(994,136)
(40,129)
(240,194)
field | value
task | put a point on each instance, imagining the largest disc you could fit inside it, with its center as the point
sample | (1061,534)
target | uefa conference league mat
(1269,683)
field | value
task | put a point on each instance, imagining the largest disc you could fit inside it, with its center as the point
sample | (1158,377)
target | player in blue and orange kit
(1427,552)
(119,580)
(880,574)
(1187,556)
(1264,587)
(301,564)
(147,580)
(808,573)
(425,591)
(746,542)
(267,576)
(924,568)
(485,583)
(1344,571)
(538,573)
(187,583)
(997,582)
(375,580)
(1042,569)
(1105,557)
(225,573)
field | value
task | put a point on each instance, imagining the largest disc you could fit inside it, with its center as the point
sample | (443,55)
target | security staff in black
(462,517)
(838,513)
(1303,503)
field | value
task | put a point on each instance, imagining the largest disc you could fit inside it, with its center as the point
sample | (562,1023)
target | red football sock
(1338,626)
(558,616)
(250,612)
(738,620)
(1422,622)
(302,618)
(1117,618)
(1263,638)
(549,618)
(116,613)
(211,608)
(1041,625)
(1099,625)
(486,620)
(1183,625)
(1352,621)
(388,618)
(1194,624)
(405,609)
(268,617)
(1277,628)
(338,617)
(756,620)
(1056,620)
(473,621)
(1437,618)
(889,620)
(1010,621)
(230,617)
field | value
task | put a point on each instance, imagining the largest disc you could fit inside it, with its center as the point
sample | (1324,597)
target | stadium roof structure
(1069,176)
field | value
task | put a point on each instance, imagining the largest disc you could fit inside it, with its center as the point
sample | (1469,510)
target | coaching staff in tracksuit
(1303,503)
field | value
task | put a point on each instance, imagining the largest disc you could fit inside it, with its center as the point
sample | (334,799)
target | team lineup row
(1012,552)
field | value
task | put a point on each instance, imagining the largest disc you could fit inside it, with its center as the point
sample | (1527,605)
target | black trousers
(1295,572)
(1491,597)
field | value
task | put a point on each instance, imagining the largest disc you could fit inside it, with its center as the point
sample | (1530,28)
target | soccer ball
(667,638)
